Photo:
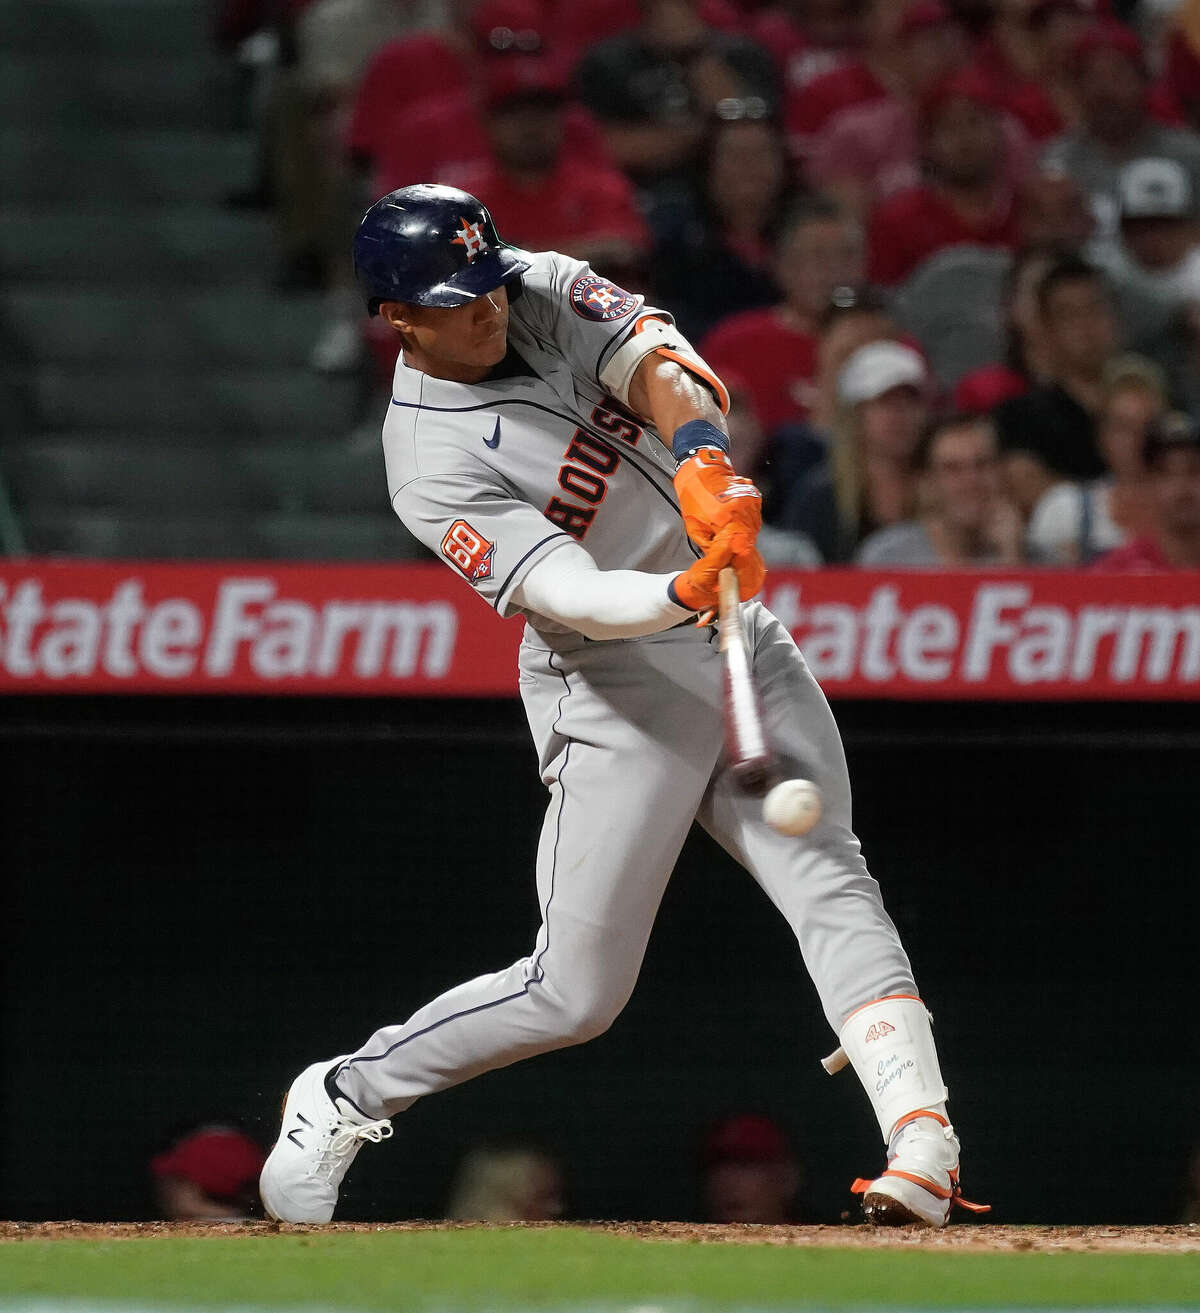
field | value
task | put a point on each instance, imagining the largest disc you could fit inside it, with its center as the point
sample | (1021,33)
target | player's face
(461,342)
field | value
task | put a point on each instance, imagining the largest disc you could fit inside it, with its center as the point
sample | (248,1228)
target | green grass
(482,1269)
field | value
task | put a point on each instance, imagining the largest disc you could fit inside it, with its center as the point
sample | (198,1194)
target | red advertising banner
(415,630)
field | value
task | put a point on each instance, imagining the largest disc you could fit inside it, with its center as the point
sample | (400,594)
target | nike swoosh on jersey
(494,440)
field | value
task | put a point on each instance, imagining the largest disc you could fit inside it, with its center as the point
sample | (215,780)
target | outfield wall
(203,893)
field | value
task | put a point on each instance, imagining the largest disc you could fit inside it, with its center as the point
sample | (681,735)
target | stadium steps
(176,246)
(116,28)
(191,479)
(300,536)
(230,326)
(171,91)
(242,401)
(155,389)
(116,167)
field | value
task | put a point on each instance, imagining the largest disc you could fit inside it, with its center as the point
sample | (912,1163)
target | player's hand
(698,588)
(712,496)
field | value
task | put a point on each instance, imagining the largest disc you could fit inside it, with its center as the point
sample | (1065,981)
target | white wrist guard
(890,1045)
(653,335)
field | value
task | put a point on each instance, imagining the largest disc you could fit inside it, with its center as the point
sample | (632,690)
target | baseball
(793,807)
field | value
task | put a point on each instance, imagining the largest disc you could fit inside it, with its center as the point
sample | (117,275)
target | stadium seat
(952,305)
(321,537)
(50,531)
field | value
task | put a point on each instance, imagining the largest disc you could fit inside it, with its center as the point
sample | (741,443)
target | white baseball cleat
(920,1183)
(317,1143)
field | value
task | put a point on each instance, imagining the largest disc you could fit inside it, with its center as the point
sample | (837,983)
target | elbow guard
(654,335)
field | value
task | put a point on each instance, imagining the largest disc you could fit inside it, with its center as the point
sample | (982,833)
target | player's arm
(670,395)
(567,586)
(672,386)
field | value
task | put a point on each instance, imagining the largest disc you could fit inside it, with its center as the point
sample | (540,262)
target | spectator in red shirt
(869,151)
(441,133)
(410,72)
(807,38)
(542,196)
(967,198)
(712,253)
(818,248)
(1028,52)
(884,67)
(1172,456)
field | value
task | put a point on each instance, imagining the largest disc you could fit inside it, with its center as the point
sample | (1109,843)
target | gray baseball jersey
(493,476)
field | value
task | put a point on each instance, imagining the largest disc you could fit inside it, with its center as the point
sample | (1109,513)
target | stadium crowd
(945,253)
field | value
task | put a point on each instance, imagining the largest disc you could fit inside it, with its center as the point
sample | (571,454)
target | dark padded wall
(202,896)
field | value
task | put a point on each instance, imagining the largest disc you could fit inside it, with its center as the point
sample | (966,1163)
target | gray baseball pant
(629,737)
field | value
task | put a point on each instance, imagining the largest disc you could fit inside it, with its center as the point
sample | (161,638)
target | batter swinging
(549,437)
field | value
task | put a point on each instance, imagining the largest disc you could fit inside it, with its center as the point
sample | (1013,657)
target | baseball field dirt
(592,1268)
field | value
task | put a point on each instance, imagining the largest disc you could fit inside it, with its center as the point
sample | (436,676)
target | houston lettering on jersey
(588,463)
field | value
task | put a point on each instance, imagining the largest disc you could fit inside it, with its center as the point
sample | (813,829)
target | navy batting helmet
(430,245)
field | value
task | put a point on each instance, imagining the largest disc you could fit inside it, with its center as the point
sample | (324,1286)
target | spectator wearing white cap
(869,478)
(1160,237)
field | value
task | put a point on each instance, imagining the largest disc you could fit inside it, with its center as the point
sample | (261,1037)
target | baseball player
(562,448)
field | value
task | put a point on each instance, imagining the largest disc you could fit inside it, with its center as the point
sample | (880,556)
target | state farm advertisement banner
(415,630)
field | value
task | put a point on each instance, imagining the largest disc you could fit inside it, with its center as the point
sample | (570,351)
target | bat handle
(729,614)
(730,594)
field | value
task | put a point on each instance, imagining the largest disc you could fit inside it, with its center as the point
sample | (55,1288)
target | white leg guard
(890,1045)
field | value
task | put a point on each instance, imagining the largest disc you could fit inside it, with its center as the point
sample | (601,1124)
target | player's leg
(850,946)
(622,800)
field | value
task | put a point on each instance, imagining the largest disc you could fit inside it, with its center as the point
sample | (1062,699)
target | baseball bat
(749,756)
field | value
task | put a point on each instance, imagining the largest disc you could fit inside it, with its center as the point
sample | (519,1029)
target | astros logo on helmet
(470,236)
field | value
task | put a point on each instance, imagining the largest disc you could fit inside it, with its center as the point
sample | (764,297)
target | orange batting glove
(698,589)
(712,496)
